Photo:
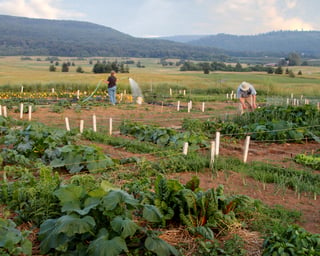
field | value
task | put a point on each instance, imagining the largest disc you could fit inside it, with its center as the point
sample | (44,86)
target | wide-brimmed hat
(244,86)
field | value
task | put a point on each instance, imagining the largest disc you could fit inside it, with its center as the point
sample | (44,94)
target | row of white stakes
(214,149)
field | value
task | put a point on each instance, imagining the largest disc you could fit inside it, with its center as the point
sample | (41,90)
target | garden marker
(178,106)
(67,124)
(21,110)
(95,90)
(0,110)
(29,112)
(94,120)
(246,149)
(110,126)
(81,126)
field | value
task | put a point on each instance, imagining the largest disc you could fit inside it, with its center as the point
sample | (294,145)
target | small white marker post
(184,92)
(189,107)
(52,90)
(217,144)
(94,120)
(78,94)
(29,112)
(67,124)
(21,110)
(5,111)
(21,89)
(212,153)
(227,96)
(246,149)
(81,126)
(178,106)
(0,110)
(170,92)
(110,126)
(185,148)
(203,105)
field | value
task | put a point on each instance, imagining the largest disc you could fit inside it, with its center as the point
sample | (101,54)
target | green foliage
(13,241)
(312,161)
(32,197)
(100,222)
(292,241)
(162,136)
(76,158)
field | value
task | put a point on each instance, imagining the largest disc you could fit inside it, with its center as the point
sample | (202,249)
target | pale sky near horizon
(151,18)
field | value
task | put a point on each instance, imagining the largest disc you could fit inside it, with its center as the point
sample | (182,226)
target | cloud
(36,9)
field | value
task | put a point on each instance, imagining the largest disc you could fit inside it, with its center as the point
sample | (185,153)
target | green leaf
(152,214)
(117,197)
(70,193)
(124,226)
(160,247)
(71,225)
(102,246)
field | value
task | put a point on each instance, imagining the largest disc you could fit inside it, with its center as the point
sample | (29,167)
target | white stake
(52,90)
(184,92)
(0,110)
(212,153)
(67,124)
(203,104)
(78,94)
(21,89)
(21,110)
(110,126)
(217,144)
(5,111)
(178,105)
(185,148)
(81,126)
(29,112)
(170,92)
(189,107)
(246,149)
(227,96)
(94,120)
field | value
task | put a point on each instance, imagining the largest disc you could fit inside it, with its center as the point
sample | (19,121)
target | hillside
(274,43)
(26,36)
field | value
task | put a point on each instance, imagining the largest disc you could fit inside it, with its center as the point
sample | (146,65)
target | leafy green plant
(100,221)
(76,158)
(312,161)
(13,241)
(292,241)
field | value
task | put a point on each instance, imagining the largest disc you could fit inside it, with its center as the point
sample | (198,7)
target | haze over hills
(277,43)
(26,36)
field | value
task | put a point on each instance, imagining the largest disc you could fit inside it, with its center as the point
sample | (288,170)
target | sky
(153,18)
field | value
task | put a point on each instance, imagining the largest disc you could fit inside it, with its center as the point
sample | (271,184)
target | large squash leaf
(102,246)
(116,198)
(124,226)
(160,247)
(152,214)
(72,224)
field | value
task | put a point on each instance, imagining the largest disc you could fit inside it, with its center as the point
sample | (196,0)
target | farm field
(54,173)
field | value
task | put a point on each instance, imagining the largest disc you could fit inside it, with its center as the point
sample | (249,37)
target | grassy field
(16,71)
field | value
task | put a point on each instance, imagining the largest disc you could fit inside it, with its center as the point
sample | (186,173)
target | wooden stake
(0,110)
(212,153)
(110,126)
(29,112)
(217,144)
(202,108)
(5,111)
(81,126)
(21,110)
(67,124)
(246,149)
(178,105)
(185,148)
(94,120)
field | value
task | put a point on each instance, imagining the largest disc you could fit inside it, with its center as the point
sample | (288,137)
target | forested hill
(276,43)
(26,36)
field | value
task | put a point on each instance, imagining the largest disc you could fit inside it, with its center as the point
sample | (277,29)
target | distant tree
(90,62)
(300,73)
(99,68)
(79,70)
(238,67)
(52,68)
(287,71)
(57,63)
(283,62)
(294,59)
(270,70)
(65,67)
(291,74)
(305,63)
(278,70)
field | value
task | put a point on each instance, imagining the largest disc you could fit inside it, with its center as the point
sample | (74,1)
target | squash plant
(100,222)
(13,241)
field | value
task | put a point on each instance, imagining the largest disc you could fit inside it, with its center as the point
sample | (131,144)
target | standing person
(247,95)
(112,87)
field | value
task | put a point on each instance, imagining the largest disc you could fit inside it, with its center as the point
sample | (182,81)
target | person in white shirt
(247,95)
